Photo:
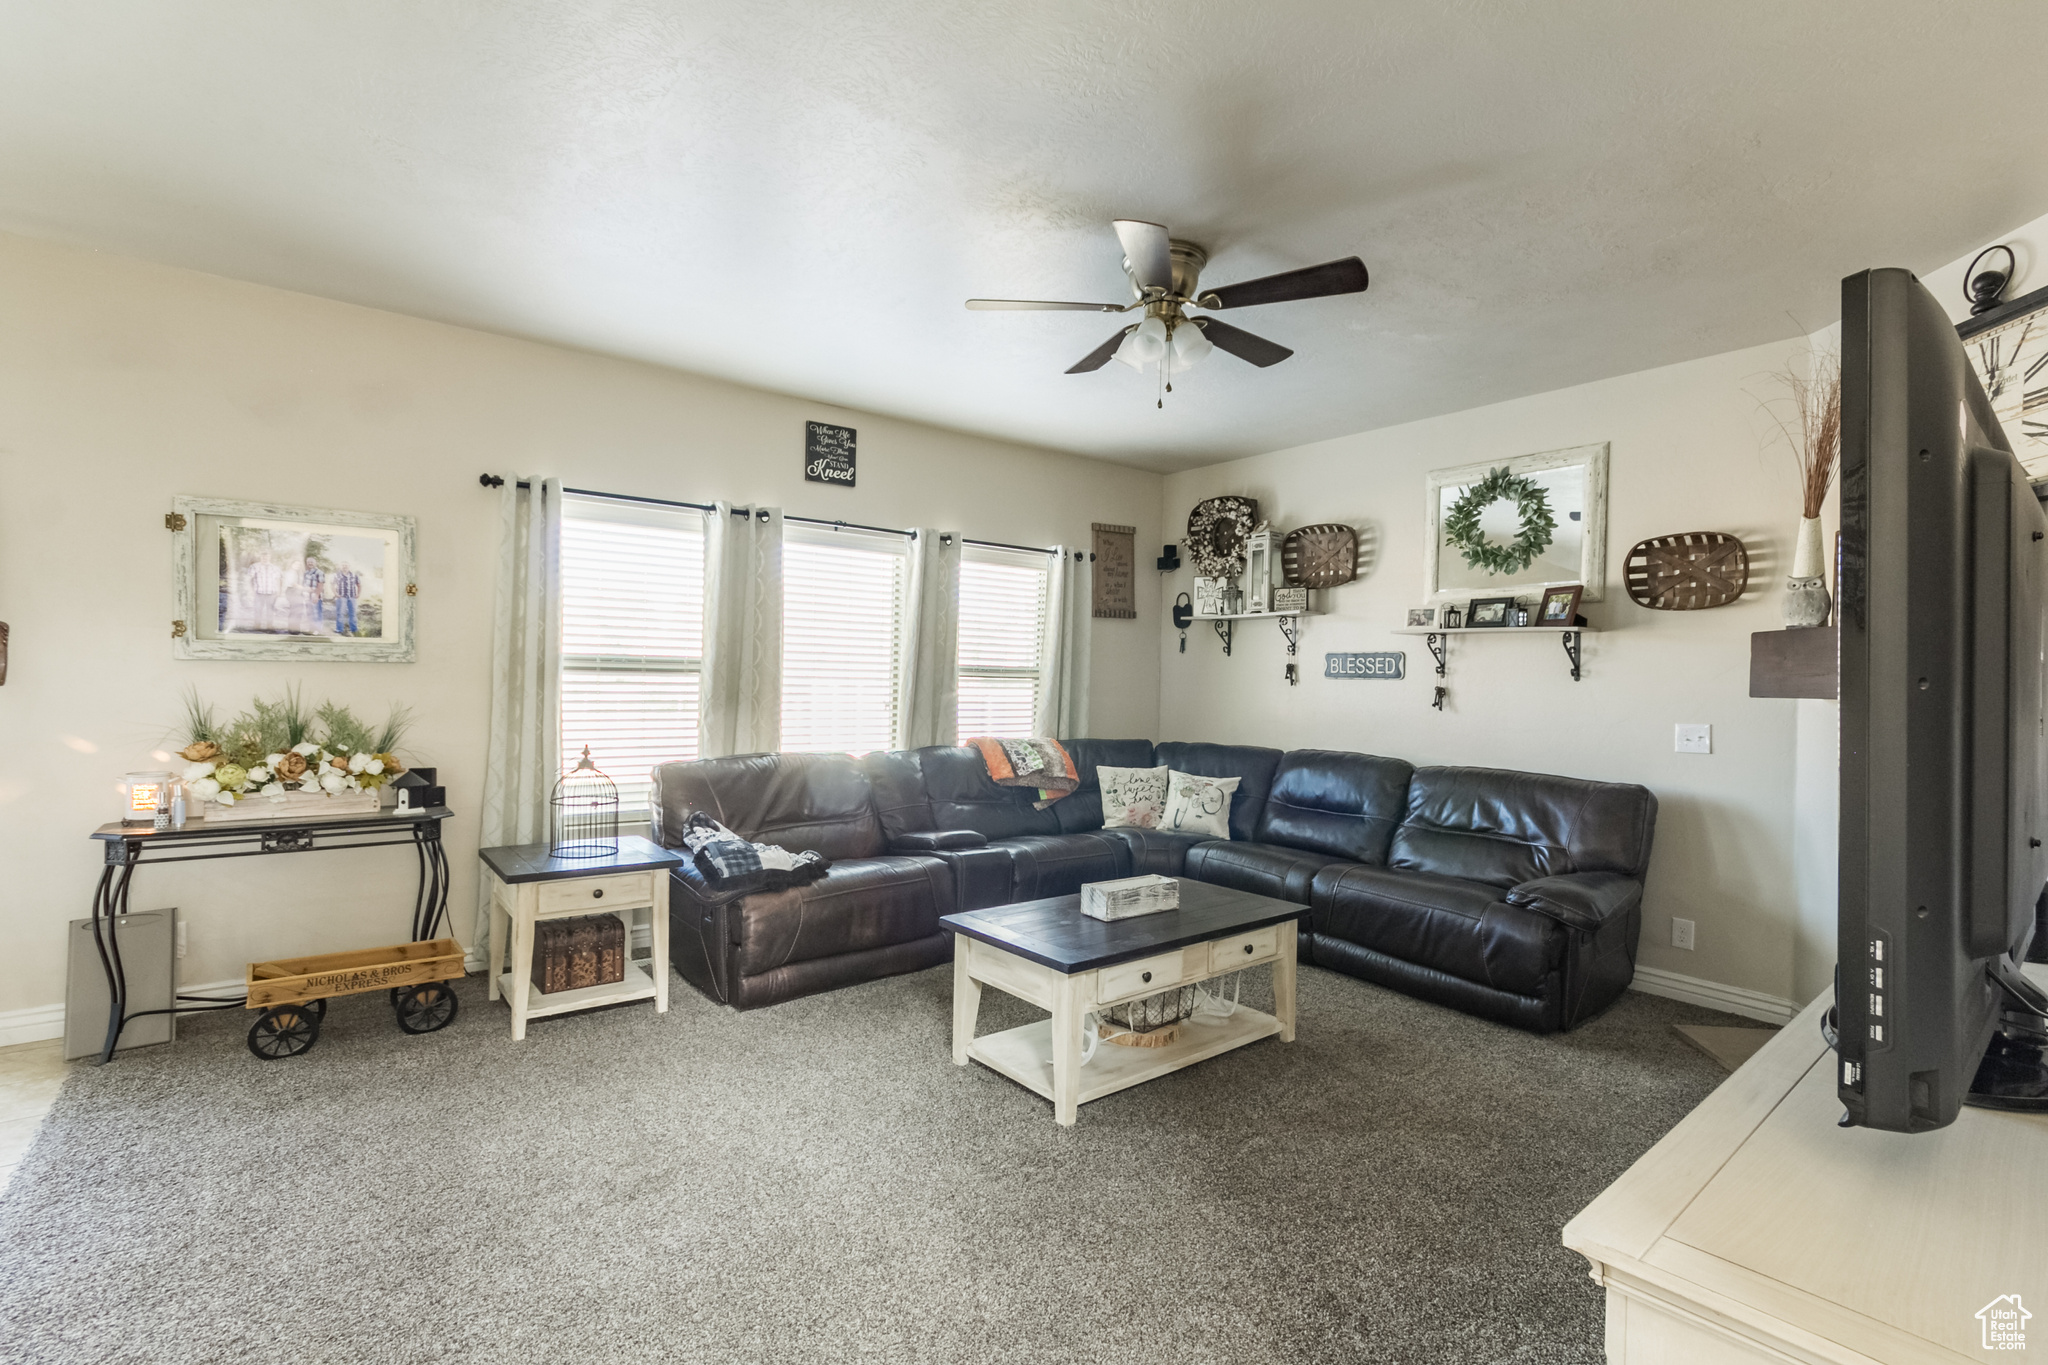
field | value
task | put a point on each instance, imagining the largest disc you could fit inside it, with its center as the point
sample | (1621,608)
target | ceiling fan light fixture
(1189,345)
(1145,344)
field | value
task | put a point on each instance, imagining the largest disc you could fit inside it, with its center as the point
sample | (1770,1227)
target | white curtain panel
(930,710)
(524,755)
(741,707)
(1069,614)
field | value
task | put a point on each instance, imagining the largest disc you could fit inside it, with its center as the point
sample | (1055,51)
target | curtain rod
(498,481)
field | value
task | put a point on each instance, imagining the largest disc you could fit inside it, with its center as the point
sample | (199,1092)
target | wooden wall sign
(1116,562)
(1384,665)
(1690,571)
(828,454)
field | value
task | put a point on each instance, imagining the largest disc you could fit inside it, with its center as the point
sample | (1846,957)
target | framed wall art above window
(1522,524)
(258,580)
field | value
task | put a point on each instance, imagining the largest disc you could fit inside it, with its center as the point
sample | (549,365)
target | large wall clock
(2009,348)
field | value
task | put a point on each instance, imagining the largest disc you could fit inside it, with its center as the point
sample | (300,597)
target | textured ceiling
(800,196)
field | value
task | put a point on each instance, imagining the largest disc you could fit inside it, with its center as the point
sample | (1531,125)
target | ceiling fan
(1165,275)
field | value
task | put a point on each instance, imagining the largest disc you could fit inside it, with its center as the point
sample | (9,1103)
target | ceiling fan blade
(990,305)
(1147,249)
(1310,282)
(1099,357)
(1242,344)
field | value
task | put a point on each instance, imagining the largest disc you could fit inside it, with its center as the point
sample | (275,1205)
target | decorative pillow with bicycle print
(1198,805)
(1133,798)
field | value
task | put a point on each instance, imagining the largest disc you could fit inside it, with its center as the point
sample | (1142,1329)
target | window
(842,639)
(632,638)
(1002,640)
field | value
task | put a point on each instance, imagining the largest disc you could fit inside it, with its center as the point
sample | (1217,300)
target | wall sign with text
(1384,665)
(828,454)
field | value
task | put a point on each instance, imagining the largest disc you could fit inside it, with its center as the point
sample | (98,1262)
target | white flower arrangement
(305,767)
(255,754)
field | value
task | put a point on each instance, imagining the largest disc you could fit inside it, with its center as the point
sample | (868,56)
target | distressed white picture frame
(1440,589)
(195,534)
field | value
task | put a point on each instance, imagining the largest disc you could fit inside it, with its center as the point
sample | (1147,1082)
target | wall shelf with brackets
(1290,626)
(1437,638)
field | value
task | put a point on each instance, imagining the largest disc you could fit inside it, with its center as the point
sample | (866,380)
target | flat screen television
(1943,570)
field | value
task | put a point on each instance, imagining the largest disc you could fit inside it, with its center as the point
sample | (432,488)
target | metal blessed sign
(828,454)
(1384,665)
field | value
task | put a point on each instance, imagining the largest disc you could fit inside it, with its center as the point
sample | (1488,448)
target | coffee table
(1046,952)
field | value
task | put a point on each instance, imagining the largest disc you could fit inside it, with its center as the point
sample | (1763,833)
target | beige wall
(123,384)
(1690,451)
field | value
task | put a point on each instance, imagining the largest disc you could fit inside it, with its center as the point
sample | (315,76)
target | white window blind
(842,639)
(1002,640)
(632,638)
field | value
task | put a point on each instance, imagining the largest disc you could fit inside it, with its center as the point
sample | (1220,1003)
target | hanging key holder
(1183,615)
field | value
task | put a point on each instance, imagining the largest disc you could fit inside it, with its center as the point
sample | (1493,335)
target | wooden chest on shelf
(569,954)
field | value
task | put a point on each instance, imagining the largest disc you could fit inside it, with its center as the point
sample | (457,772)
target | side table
(528,886)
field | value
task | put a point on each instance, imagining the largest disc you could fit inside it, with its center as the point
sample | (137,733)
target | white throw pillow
(1198,805)
(1133,798)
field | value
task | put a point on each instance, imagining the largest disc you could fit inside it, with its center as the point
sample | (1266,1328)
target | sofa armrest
(698,887)
(937,841)
(1579,900)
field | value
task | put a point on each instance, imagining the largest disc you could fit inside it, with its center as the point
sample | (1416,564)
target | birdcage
(583,813)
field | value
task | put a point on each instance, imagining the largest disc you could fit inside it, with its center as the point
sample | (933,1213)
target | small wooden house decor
(1690,571)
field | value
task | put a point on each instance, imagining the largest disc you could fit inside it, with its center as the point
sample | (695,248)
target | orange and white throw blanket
(1038,762)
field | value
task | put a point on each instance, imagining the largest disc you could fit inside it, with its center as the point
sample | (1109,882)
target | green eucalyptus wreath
(1461,524)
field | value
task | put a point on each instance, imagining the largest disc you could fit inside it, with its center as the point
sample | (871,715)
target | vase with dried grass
(1815,434)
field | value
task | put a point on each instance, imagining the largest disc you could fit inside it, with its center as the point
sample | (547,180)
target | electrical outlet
(1681,934)
(1693,739)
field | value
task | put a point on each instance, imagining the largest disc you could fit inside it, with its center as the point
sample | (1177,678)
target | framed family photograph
(1560,606)
(1489,611)
(1421,616)
(263,581)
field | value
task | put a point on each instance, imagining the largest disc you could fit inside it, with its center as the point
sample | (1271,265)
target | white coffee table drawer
(597,893)
(1245,950)
(1141,977)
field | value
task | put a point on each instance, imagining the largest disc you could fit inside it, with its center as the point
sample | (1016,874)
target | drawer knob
(599,895)
(1147,976)
(1248,948)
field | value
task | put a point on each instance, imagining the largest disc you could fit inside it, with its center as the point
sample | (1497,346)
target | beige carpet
(818,1182)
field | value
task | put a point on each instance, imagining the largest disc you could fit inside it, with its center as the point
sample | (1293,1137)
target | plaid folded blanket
(731,863)
(1038,762)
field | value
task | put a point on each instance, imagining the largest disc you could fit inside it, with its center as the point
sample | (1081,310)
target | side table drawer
(597,893)
(1142,977)
(1244,950)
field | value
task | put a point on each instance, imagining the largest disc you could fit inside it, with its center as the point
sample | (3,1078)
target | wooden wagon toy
(293,992)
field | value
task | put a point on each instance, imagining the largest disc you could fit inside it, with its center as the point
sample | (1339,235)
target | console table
(1757,1230)
(125,847)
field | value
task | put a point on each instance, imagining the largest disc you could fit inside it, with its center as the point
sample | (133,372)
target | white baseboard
(39,1023)
(1713,995)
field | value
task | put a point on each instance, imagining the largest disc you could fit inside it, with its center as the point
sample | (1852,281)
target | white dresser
(1759,1230)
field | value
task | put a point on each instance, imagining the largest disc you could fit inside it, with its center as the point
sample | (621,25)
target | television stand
(2014,1073)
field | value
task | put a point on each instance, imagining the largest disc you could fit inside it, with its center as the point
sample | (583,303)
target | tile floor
(30,1074)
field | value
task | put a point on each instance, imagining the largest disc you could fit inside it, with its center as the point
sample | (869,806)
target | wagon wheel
(426,1008)
(283,1031)
(319,1008)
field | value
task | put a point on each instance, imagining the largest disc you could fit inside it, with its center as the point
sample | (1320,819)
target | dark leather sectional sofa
(1515,896)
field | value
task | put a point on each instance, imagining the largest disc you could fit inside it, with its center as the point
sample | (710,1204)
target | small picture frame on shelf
(1488,612)
(1422,616)
(1290,601)
(1560,606)
(1453,619)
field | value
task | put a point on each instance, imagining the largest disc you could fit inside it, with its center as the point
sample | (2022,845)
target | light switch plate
(1693,739)
(1681,933)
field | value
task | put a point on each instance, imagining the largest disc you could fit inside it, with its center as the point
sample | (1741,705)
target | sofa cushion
(1057,864)
(1338,803)
(1262,869)
(896,778)
(1448,923)
(962,796)
(860,904)
(1081,809)
(1155,852)
(806,803)
(1505,828)
(1254,767)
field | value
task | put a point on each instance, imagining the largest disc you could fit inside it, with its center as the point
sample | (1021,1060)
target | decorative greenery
(272,749)
(1539,526)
